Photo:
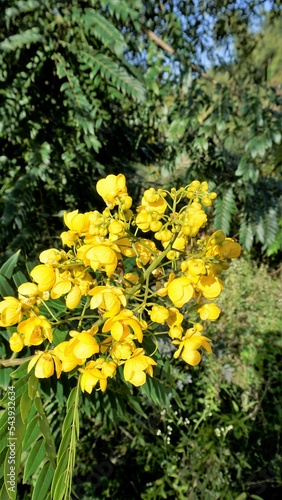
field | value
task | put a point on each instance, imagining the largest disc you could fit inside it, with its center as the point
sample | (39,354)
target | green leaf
(8,267)
(43,482)
(34,459)
(225,207)
(20,431)
(32,386)
(246,234)
(20,371)
(25,406)
(61,483)
(19,278)
(156,391)
(104,30)
(243,165)
(32,432)
(5,289)
(5,379)
(21,40)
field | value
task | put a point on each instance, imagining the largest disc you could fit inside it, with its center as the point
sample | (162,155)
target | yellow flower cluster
(122,286)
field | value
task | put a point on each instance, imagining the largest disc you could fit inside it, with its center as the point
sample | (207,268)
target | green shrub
(221,440)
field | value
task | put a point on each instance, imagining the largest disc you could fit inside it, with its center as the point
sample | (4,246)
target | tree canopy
(168,91)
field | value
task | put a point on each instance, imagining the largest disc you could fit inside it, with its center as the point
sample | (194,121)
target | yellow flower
(35,330)
(126,202)
(111,189)
(10,311)
(159,314)
(194,266)
(175,317)
(29,295)
(165,235)
(16,342)
(101,256)
(230,249)
(163,290)
(116,229)
(125,247)
(91,375)
(69,238)
(143,220)
(76,222)
(189,345)
(130,279)
(180,291)
(44,276)
(46,363)
(123,350)
(83,345)
(210,286)
(108,299)
(215,239)
(209,311)
(194,219)
(175,332)
(62,285)
(122,324)
(52,257)
(137,366)
(73,297)
(174,322)
(154,201)
(65,284)
(68,359)
(146,251)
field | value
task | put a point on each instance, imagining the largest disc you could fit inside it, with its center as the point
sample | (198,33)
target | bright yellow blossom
(174,321)
(122,325)
(35,330)
(45,364)
(111,189)
(69,238)
(76,222)
(143,221)
(29,295)
(209,311)
(159,314)
(68,360)
(52,257)
(44,276)
(136,367)
(10,311)
(180,291)
(189,345)
(108,299)
(83,344)
(116,229)
(91,375)
(102,256)
(146,251)
(110,268)
(154,201)
(16,342)
(73,297)
(210,286)
(123,350)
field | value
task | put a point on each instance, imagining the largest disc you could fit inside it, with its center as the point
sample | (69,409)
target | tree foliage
(175,90)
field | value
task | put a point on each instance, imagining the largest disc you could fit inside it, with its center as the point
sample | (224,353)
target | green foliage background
(164,92)
(221,441)
(177,89)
